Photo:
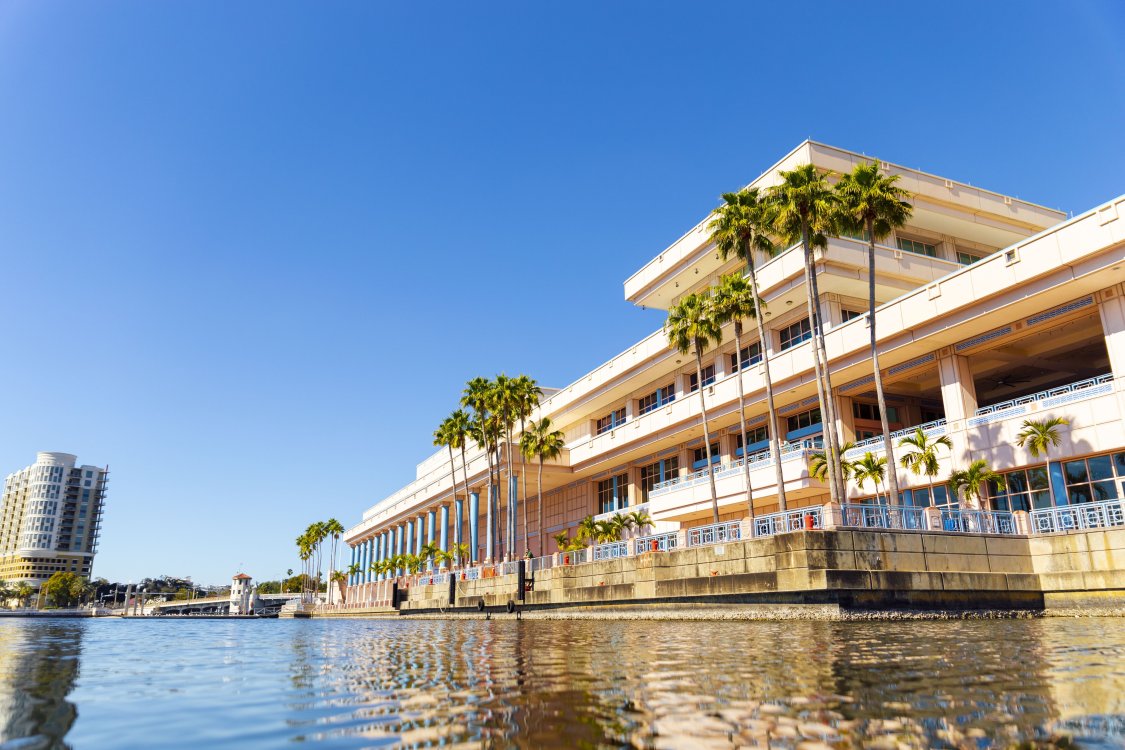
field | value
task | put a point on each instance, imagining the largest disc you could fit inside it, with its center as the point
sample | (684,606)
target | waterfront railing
(784,522)
(655,542)
(1078,517)
(716,533)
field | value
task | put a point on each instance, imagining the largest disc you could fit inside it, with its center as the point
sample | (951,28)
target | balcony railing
(757,460)
(655,543)
(731,531)
(883,517)
(908,518)
(787,521)
(969,521)
(875,444)
(1078,517)
(1064,394)
(611,551)
(640,507)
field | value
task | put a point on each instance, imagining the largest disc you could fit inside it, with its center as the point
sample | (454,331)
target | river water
(561,684)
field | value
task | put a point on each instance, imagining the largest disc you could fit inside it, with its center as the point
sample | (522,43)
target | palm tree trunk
(775,434)
(460,535)
(888,448)
(742,416)
(523,492)
(706,432)
(829,448)
(488,510)
(539,507)
(830,398)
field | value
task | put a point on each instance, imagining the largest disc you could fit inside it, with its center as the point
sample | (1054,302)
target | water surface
(560,684)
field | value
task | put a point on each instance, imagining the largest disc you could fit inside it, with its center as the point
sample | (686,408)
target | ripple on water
(564,684)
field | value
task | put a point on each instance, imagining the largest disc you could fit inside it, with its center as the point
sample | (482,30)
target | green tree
(741,227)
(64,589)
(803,208)
(354,570)
(974,482)
(733,301)
(1039,436)
(24,592)
(691,328)
(528,395)
(542,443)
(870,467)
(484,429)
(640,519)
(920,455)
(453,433)
(333,529)
(871,201)
(818,463)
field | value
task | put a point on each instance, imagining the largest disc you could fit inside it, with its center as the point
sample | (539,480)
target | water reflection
(567,684)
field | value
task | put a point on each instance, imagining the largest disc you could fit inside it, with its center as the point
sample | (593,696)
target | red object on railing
(810,522)
(655,545)
(566,559)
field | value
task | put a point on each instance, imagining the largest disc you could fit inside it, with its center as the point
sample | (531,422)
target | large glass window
(921,497)
(699,456)
(613,493)
(658,398)
(795,334)
(661,471)
(1025,489)
(914,246)
(804,419)
(1092,479)
(611,420)
(748,355)
(708,378)
(756,437)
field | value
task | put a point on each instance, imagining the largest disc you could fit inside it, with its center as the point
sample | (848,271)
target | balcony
(1065,394)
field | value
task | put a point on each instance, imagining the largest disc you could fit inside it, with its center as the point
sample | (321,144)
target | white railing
(731,531)
(876,444)
(1064,394)
(611,551)
(471,574)
(639,508)
(757,460)
(655,543)
(1078,517)
(883,517)
(787,521)
(540,563)
(509,568)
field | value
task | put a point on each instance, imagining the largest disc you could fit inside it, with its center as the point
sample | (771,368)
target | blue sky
(251,252)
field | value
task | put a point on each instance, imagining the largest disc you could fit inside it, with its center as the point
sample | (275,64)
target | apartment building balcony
(688,497)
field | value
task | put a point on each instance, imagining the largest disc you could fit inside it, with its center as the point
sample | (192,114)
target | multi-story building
(992,310)
(50,516)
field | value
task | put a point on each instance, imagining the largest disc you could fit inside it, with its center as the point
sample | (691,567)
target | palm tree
(740,227)
(818,463)
(870,467)
(333,528)
(921,455)
(477,396)
(871,201)
(732,301)
(803,209)
(458,426)
(24,592)
(528,394)
(640,519)
(691,327)
(353,570)
(505,403)
(1039,436)
(541,442)
(974,482)
(587,529)
(428,552)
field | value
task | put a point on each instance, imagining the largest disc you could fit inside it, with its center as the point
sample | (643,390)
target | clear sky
(252,251)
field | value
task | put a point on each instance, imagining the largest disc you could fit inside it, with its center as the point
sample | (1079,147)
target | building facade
(50,517)
(991,311)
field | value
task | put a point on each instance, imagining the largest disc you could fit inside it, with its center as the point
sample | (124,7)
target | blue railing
(731,531)
(883,517)
(786,521)
(970,521)
(1078,517)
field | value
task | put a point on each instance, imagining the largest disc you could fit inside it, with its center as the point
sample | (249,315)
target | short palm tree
(803,208)
(974,482)
(870,467)
(818,463)
(871,201)
(741,227)
(691,328)
(1039,436)
(920,455)
(540,441)
(353,570)
(587,529)
(640,519)
(732,301)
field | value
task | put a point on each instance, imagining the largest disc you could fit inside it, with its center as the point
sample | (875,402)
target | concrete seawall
(822,574)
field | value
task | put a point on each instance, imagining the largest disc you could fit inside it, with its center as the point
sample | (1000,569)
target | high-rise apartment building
(50,516)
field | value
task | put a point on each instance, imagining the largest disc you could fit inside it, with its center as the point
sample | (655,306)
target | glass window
(795,334)
(748,355)
(861,234)
(654,473)
(656,399)
(967,259)
(804,419)
(756,436)
(699,456)
(914,246)
(865,411)
(850,314)
(1075,471)
(613,493)
(708,378)
(611,420)
(1100,467)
